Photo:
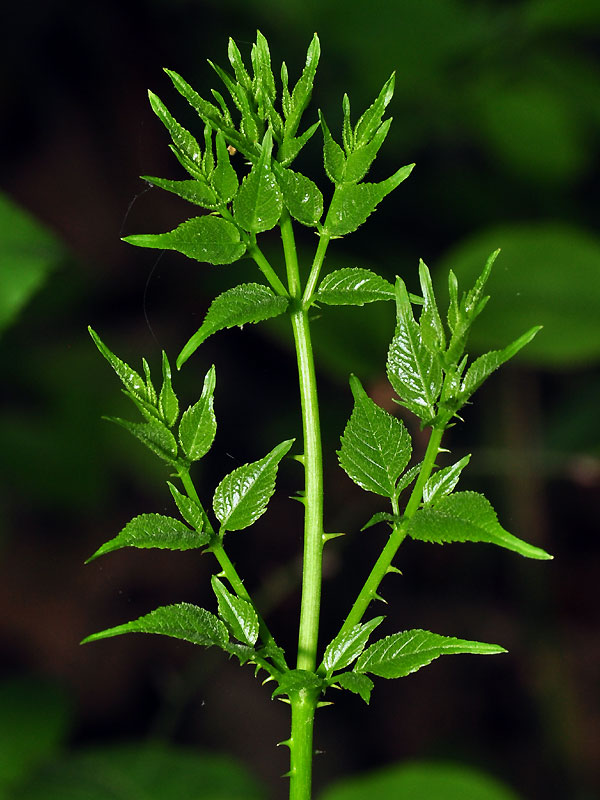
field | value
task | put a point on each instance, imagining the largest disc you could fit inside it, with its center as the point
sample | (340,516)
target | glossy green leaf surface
(153,530)
(182,138)
(194,191)
(248,302)
(168,404)
(259,202)
(154,435)
(237,613)
(242,496)
(467,517)
(297,680)
(402,653)
(356,683)
(130,379)
(352,203)
(301,196)
(370,121)
(181,621)
(443,481)
(375,446)
(347,647)
(353,286)
(188,508)
(198,424)
(360,159)
(207,239)
(334,160)
(300,95)
(224,178)
(412,369)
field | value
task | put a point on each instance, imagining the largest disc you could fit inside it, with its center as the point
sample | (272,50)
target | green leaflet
(224,179)
(168,404)
(259,202)
(412,369)
(182,139)
(153,530)
(154,435)
(198,424)
(130,379)
(301,196)
(467,517)
(290,148)
(430,323)
(352,203)
(483,366)
(353,286)
(375,447)
(188,508)
(371,119)
(443,481)
(357,683)
(237,613)
(242,496)
(295,103)
(334,159)
(208,239)
(347,647)
(402,653)
(360,159)
(194,191)
(248,302)
(181,621)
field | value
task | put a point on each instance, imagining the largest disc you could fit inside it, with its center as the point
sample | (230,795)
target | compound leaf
(238,614)
(181,621)
(153,530)
(248,302)
(443,481)
(375,446)
(371,119)
(258,203)
(361,158)
(198,424)
(402,653)
(357,683)
(242,496)
(347,646)
(208,239)
(467,517)
(352,203)
(353,286)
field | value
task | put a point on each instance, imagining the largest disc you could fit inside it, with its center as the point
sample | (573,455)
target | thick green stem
(301,744)
(384,562)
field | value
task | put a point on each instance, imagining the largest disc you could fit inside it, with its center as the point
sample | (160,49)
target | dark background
(499,105)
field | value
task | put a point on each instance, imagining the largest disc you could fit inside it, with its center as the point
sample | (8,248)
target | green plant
(426,366)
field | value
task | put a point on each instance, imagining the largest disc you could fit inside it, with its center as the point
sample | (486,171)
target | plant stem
(316,268)
(304,701)
(383,563)
(304,704)
(267,270)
